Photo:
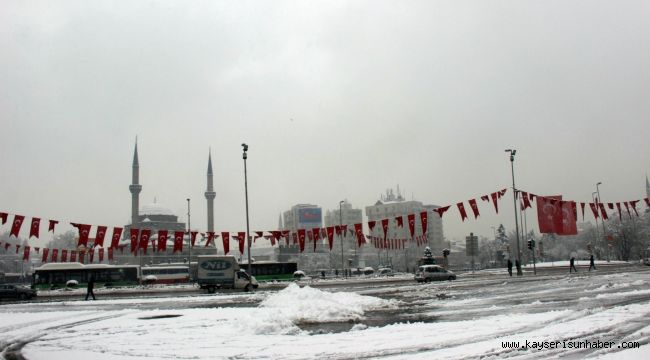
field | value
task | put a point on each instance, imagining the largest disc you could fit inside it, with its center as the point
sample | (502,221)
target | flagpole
(514,199)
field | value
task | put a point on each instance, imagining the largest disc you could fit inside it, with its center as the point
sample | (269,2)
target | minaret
(135,187)
(647,186)
(280,222)
(210,195)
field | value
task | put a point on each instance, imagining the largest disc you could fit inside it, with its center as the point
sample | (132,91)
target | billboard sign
(310,216)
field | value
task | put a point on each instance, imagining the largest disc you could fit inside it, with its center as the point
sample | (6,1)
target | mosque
(155,216)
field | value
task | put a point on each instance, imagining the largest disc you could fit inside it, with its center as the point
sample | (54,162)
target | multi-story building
(307,217)
(345,250)
(391,206)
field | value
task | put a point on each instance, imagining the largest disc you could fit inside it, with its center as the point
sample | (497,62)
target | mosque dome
(155,209)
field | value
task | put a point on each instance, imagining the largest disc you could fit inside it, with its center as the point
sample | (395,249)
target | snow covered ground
(469,318)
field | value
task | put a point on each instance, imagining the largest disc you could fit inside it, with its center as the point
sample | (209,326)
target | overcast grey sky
(337,100)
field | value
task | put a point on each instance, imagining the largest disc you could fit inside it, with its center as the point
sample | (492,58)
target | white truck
(222,271)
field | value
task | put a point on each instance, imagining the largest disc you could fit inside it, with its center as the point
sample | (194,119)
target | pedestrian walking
(572,265)
(91,286)
(510,267)
(591,263)
(518,266)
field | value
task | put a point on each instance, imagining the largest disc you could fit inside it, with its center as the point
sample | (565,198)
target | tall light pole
(514,200)
(248,239)
(595,200)
(604,231)
(341,234)
(189,240)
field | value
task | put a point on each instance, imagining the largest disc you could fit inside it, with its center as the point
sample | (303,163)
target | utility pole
(514,199)
(248,239)
(189,240)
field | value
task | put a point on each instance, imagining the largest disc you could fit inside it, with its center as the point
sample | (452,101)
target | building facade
(393,205)
(345,253)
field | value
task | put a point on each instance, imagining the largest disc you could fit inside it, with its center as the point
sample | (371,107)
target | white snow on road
(273,328)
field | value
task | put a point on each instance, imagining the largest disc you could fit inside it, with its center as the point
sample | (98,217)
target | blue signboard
(309,216)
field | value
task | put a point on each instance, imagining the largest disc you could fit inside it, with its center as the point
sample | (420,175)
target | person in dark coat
(518,266)
(91,286)
(591,263)
(572,264)
(510,267)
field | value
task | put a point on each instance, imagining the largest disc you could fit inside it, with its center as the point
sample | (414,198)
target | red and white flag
(384,226)
(162,240)
(474,206)
(400,221)
(178,240)
(330,236)
(134,240)
(594,210)
(225,239)
(411,220)
(117,234)
(371,225)
(241,237)
(52,225)
(99,236)
(603,212)
(301,239)
(424,221)
(3,218)
(84,233)
(461,208)
(18,222)
(26,253)
(193,237)
(442,210)
(34,229)
(145,234)
(46,252)
(495,201)
(210,238)
(64,255)
(358,229)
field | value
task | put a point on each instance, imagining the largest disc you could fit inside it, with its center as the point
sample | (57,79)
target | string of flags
(554,215)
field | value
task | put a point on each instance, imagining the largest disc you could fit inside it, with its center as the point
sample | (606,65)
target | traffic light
(530,244)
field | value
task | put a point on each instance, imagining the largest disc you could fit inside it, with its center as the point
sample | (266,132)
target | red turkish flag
(411,220)
(316,235)
(603,212)
(384,225)
(569,217)
(472,204)
(461,208)
(301,239)
(178,240)
(330,236)
(3,218)
(101,254)
(225,239)
(424,221)
(117,234)
(55,255)
(64,255)
(110,254)
(442,210)
(26,253)
(485,198)
(400,221)
(549,214)
(99,236)
(163,235)
(18,222)
(84,232)
(495,201)
(276,235)
(618,207)
(210,238)
(73,256)
(358,229)
(633,204)
(371,225)
(34,229)
(134,240)
(594,210)
(241,236)
(145,234)
(46,252)
(193,237)
(52,225)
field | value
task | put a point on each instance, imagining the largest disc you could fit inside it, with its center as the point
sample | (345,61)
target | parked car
(9,291)
(428,273)
(385,272)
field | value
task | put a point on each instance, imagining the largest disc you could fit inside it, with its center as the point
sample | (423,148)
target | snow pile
(283,312)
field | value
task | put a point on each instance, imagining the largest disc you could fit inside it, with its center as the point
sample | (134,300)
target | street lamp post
(189,240)
(248,239)
(514,200)
(604,231)
(595,200)
(341,235)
